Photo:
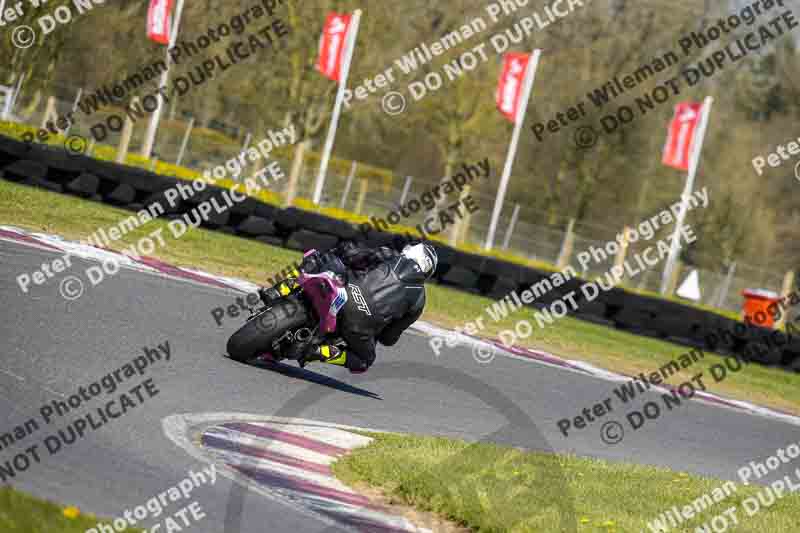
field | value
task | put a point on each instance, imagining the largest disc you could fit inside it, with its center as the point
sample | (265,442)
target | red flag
(682,128)
(158,21)
(332,45)
(509,88)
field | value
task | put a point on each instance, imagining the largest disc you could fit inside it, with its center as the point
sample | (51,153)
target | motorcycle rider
(386,294)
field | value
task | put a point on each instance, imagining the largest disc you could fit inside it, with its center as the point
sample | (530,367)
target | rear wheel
(257,335)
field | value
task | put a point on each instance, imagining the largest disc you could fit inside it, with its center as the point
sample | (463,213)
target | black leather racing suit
(386,294)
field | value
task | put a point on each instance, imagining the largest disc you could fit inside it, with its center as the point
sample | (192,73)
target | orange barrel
(756,303)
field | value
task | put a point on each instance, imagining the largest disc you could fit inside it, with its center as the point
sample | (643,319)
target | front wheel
(258,334)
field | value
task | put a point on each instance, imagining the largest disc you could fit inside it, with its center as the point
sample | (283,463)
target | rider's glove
(268,295)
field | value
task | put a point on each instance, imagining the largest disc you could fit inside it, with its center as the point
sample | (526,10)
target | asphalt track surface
(53,346)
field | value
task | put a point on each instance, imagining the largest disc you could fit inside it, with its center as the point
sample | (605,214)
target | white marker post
(510,228)
(530,76)
(15,95)
(74,110)
(152,127)
(352,35)
(185,142)
(694,162)
(10,99)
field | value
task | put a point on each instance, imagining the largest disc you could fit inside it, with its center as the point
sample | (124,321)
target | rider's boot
(325,353)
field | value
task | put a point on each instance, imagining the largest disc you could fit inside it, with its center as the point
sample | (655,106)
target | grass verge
(219,253)
(486,487)
(20,513)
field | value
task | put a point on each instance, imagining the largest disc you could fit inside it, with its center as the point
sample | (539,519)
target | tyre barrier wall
(131,188)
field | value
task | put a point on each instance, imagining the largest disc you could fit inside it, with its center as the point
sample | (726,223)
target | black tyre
(256,336)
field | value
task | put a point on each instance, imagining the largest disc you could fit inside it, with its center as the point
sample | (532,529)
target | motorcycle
(283,329)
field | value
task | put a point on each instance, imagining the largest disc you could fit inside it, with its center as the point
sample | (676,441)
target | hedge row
(134,189)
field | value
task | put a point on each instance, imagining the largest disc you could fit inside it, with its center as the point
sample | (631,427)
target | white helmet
(424,255)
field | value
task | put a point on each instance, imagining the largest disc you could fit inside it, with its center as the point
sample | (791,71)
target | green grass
(228,255)
(490,488)
(20,513)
